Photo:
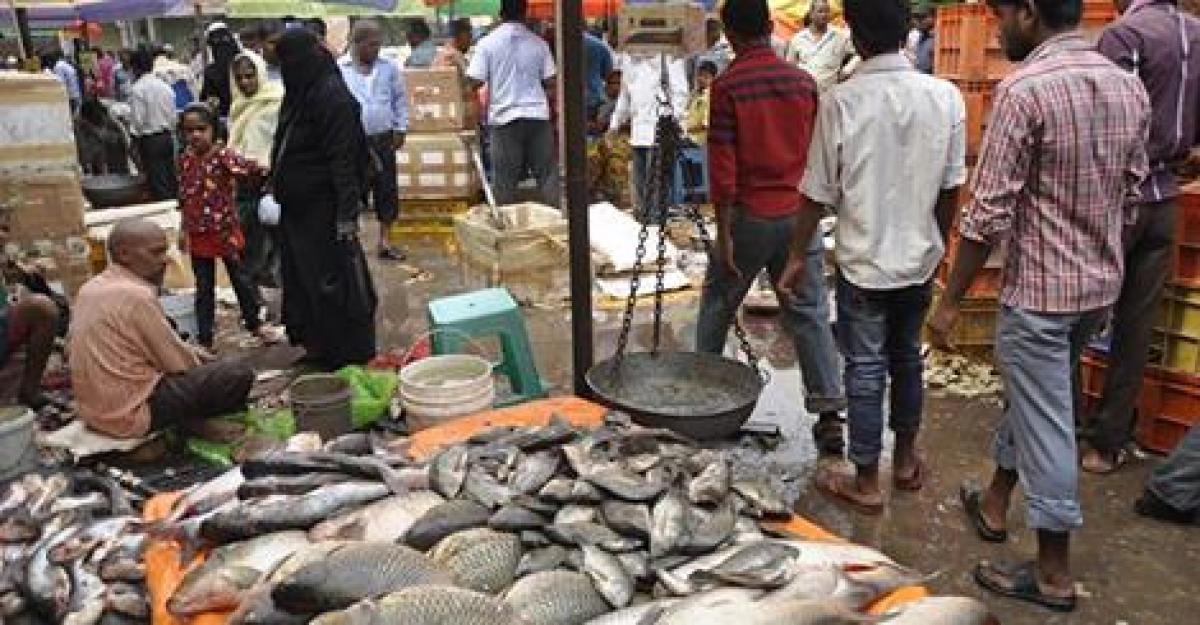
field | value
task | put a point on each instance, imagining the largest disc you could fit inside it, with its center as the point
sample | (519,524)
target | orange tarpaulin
(163,570)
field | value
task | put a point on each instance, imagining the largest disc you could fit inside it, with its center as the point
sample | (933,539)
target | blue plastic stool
(455,319)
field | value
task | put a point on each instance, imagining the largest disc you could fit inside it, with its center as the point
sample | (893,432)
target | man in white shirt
(638,106)
(69,78)
(518,68)
(152,119)
(821,50)
(888,155)
(378,85)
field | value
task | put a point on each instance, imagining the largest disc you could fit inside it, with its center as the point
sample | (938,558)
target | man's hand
(793,271)
(398,140)
(941,324)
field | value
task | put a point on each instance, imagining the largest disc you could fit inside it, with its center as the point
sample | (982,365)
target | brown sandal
(834,485)
(914,482)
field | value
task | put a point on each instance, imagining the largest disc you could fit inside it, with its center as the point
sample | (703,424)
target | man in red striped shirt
(760,124)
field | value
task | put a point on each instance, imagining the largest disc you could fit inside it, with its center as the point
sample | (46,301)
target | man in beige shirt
(130,371)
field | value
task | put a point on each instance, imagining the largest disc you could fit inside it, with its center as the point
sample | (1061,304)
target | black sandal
(828,437)
(970,496)
(1022,585)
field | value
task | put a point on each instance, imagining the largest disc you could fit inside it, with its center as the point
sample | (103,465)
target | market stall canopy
(326,8)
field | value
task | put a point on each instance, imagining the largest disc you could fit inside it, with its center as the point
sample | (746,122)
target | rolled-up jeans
(1177,481)
(1037,354)
(761,243)
(879,331)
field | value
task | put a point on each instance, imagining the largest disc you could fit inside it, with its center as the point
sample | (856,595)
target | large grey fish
(537,504)
(300,463)
(288,484)
(942,611)
(668,524)
(276,514)
(448,471)
(355,572)
(711,485)
(207,496)
(47,585)
(618,481)
(232,570)
(588,533)
(425,605)
(856,586)
(444,519)
(385,520)
(557,490)
(630,519)
(484,489)
(539,560)
(816,552)
(708,530)
(767,612)
(764,499)
(609,576)
(764,565)
(514,518)
(555,598)
(479,559)
(258,608)
(533,471)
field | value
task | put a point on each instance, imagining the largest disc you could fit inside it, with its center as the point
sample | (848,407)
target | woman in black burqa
(320,162)
(216,87)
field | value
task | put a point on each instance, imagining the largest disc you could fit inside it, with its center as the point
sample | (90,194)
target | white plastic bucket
(16,436)
(440,388)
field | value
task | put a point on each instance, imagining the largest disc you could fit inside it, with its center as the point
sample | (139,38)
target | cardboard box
(436,100)
(528,256)
(36,131)
(676,29)
(41,207)
(437,166)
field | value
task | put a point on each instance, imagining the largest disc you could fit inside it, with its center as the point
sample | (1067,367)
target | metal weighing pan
(700,395)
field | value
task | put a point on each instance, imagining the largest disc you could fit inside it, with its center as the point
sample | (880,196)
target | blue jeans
(763,244)
(880,335)
(1037,355)
(1177,481)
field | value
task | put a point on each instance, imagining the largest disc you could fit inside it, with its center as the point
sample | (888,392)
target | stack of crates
(968,54)
(436,171)
(1169,403)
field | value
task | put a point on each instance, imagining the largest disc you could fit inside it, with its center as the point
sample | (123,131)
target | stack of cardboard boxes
(436,170)
(41,200)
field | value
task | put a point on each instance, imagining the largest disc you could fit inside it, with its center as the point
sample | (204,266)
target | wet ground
(1130,570)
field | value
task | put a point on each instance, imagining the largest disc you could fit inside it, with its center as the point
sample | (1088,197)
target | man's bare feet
(848,489)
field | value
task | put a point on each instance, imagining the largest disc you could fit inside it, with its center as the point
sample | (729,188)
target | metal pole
(573,154)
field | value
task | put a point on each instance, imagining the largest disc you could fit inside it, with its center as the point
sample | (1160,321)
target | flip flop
(1119,459)
(969,496)
(914,482)
(833,485)
(1022,585)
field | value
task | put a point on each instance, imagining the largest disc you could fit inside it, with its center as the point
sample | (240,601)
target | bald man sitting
(130,371)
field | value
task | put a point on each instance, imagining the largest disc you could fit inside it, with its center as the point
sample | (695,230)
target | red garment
(207,188)
(761,121)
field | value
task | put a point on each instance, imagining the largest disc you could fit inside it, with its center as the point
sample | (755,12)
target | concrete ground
(1130,570)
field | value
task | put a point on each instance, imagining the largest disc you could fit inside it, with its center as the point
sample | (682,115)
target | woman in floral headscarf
(253,117)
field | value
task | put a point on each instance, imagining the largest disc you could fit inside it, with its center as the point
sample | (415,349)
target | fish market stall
(556,511)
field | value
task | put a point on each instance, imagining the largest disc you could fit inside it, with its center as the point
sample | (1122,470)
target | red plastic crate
(978,97)
(1093,369)
(1185,258)
(1177,410)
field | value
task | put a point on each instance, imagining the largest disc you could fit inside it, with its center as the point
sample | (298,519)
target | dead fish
(640,463)
(637,564)
(611,579)
(942,611)
(425,605)
(533,472)
(122,570)
(767,612)
(711,485)
(444,519)
(288,484)
(764,499)
(715,598)
(258,608)
(555,598)
(573,513)
(479,559)
(231,571)
(448,471)
(127,600)
(207,496)
(557,490)
(514,518)
(644,614)
(621,483)
(48,585)
(301,463)
(87,589)
(630,519)
(532,539)
(856,586)
(536,504)
(708,530)
(484,489)
(354,572)
(584,493)
(385,520)
(818,552)
(588,533)
(539,560)
(254,518)
(668,524)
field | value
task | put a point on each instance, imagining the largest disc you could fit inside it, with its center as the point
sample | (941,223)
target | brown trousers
(210,390)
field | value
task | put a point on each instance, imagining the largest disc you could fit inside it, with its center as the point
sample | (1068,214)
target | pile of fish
(70,552)
(550,525)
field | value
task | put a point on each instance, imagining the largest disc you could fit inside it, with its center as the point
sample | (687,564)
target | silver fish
(574,513)
(276,514)
(425,605)
(555,598)
(444,519)
(763,497)
(533,472)
(711,486)
(588,533)
(767,612)
(621,483)
(448,471)
(708,530)
(611,579)
(942,611)
(385,520)
(514,518)
(231,571)
(354,572)
(485,490)
(668,524)
(630,519)
(539,560)
(479,559)
(855,586)
(644,614)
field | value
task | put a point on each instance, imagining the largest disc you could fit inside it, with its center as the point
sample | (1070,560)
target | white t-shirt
(823,56)
(514,63)
(641,90)
(886,143)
